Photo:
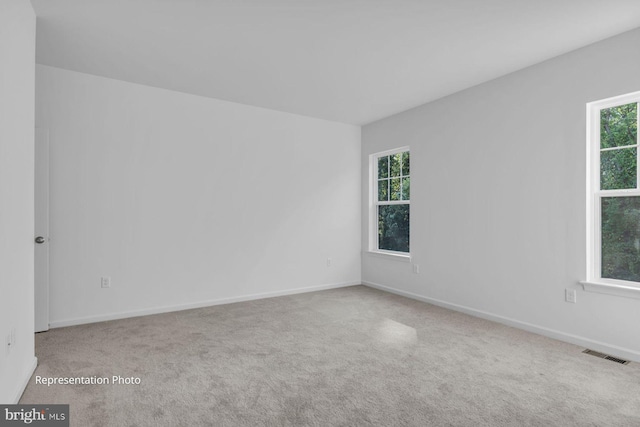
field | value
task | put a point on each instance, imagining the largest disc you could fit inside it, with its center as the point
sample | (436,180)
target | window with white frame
(390,184)
(614,194)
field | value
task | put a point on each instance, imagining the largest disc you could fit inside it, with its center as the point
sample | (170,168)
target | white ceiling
(352,61)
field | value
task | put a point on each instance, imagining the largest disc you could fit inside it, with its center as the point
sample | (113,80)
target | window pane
(383,190)
(618,169)
(621,238)
(393,228)
(395,191)
(383,167)
(619,126)
(406,184)
(396,162)
(405,163)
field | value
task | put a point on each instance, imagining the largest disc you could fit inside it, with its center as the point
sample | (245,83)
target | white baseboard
(613,350)
(198,304)
(25,380)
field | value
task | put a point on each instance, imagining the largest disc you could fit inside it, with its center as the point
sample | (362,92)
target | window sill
(390,255)
(611,289)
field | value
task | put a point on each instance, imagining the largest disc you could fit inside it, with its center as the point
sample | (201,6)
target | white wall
(498,198)
(17,63)
(186,201)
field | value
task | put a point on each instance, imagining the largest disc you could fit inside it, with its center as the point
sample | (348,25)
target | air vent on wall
(606,356)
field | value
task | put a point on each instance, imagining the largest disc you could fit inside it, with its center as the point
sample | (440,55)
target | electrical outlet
(416,268)
(105,282)
(570,295)
(328,262)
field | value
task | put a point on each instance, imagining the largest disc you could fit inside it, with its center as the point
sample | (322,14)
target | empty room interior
(286,212)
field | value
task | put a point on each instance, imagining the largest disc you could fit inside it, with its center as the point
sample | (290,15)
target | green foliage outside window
(393,227)
(621,238)
(618,128)
(394,185)
(620,216)
(394,182)
(618,168)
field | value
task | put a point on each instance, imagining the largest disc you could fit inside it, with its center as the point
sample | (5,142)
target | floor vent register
(606,356)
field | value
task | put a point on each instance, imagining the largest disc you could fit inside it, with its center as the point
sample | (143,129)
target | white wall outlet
(416,268)
(570,295)
(105,282)
(328,262)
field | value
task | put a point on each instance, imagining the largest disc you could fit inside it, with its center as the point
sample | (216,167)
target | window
(391,187)
(613,192)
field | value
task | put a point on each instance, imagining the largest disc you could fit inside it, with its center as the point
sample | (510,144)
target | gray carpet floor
(346,357)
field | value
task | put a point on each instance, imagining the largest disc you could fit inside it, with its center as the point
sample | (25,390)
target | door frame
(41,227)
